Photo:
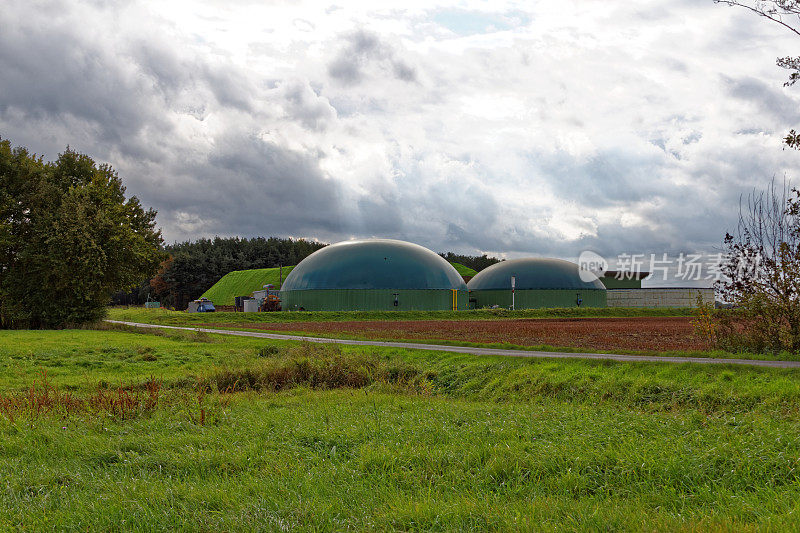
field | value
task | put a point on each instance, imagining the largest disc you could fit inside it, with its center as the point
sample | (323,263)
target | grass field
(244,282)
(176,318)
(219,433)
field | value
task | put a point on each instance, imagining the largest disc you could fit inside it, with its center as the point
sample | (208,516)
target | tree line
(475,262)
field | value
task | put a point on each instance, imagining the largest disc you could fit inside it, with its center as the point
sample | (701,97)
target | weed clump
(268,351)
(42,398)
(309,365)
(317,366)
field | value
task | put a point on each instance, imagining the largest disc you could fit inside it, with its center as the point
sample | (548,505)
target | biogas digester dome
(375,274)
(539,283)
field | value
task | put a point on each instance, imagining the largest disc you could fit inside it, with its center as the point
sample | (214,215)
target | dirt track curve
(479,351)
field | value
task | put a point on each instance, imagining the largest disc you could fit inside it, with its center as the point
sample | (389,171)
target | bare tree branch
(773,13)
(776,10)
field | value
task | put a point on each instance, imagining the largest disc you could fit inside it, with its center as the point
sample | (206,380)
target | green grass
(79,359)
(177,318)
(342,460)
(243,283)
(120,355)
(418,440)
(463,270)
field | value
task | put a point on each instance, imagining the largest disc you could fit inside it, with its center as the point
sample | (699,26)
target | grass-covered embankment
(179,318)
(463,270)
(314,437)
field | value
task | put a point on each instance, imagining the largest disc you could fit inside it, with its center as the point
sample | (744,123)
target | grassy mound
(243,283)
(463,270)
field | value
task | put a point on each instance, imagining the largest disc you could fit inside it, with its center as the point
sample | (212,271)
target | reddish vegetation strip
(660,334)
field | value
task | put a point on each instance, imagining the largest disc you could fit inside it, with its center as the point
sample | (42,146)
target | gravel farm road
(479,351)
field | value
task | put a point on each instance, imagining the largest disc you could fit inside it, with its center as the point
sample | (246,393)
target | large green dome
(534,274)
(373,264)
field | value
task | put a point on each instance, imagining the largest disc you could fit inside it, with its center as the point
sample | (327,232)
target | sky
(514,129)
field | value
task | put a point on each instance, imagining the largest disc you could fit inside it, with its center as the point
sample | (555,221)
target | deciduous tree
(69,239)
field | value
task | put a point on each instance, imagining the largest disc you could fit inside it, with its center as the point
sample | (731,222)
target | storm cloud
(363,50)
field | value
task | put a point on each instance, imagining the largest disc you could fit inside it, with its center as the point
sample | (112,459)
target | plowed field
(659,334)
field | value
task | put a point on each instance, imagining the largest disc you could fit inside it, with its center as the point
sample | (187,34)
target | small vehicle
(272,300)
(203,305)
(206,306)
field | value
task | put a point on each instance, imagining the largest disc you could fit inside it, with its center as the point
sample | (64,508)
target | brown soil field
(640,333)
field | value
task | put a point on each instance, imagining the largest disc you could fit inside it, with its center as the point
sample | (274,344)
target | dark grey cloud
(247,186)
(61,73)
(780,107)
(57,73)
(305,105)
(379,216)
(606,179)
(363,49)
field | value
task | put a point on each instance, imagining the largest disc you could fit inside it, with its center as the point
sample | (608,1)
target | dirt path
(480,351)
(656,334)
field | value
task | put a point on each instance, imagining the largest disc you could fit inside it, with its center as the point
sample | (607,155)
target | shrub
(762,274)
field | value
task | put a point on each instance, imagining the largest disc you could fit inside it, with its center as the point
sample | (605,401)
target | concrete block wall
(658,297)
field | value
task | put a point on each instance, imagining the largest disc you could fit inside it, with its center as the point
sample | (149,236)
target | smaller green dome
(534,273)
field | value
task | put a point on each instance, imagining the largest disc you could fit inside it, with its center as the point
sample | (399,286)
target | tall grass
(312,366)
(43,399)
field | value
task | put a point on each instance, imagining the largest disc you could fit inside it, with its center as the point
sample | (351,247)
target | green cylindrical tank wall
(372,299)
(535,298)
